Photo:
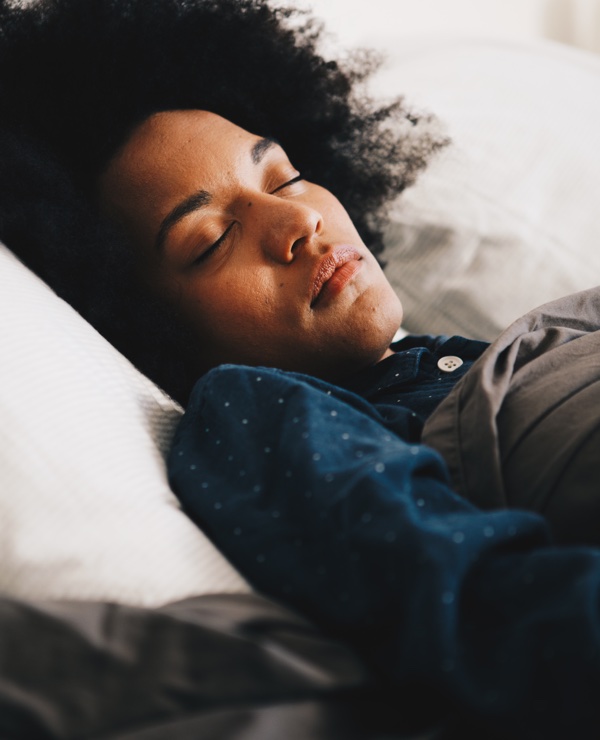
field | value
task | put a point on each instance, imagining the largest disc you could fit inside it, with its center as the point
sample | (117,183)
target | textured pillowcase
(85,508)
(506,218)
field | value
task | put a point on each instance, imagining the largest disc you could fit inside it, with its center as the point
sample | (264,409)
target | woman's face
(264,267)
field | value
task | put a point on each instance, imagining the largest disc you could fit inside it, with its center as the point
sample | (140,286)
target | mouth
(334,272)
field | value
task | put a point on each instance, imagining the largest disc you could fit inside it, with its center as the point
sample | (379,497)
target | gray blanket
(217,667)
(521,429)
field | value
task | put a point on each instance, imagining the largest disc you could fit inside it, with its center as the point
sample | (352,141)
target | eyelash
(223,238)
(213,247)
(289,182)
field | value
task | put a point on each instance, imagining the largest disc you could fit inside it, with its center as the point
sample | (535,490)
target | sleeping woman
(210,193)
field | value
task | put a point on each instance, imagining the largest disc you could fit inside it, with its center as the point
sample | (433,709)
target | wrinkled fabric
(218,667)
(322,503)
(522,429)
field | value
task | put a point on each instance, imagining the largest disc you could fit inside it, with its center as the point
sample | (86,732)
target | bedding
(218,666)
(85,507)
(522,428)
(505,219)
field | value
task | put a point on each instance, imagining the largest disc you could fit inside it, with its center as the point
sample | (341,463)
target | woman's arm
(319,505)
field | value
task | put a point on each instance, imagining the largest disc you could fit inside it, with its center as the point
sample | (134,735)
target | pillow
(85,508)
(505,219)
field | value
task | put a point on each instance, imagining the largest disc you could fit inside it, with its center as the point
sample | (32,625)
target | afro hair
(77,77)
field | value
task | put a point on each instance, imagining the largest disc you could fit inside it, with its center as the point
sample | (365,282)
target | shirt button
(449,364)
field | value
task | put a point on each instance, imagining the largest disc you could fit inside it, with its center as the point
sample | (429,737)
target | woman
(161,169)
(79,78)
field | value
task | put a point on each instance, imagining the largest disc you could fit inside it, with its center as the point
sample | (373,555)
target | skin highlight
(264,267)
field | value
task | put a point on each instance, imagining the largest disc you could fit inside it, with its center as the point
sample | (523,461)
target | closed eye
(214,247)
(288,183)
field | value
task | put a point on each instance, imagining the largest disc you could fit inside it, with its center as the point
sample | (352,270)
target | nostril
(297,244)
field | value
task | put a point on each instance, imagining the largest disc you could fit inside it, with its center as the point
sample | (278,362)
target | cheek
(335,216)
(230,306)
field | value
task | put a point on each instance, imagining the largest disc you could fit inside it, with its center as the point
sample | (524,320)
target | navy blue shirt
(325,500)
(411,378)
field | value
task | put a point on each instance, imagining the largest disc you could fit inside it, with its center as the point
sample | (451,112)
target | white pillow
(85,508)
(507,217)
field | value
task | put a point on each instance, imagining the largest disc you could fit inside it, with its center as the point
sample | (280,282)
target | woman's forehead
(169,135)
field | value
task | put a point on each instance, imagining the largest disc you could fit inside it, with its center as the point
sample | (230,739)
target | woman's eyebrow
(261,147)
(202,198)
(187,206)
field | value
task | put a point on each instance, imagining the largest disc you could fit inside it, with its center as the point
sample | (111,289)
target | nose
(286,226)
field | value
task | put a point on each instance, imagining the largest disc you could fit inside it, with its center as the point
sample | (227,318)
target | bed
(118,617)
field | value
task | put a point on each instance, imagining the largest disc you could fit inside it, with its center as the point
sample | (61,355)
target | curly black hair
(77,77)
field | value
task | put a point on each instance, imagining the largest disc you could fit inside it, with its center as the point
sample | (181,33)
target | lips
(337,268)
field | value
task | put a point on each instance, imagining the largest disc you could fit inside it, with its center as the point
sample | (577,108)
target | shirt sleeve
(319,505)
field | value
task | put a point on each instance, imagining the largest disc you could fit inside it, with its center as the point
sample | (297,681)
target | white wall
(371,22)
